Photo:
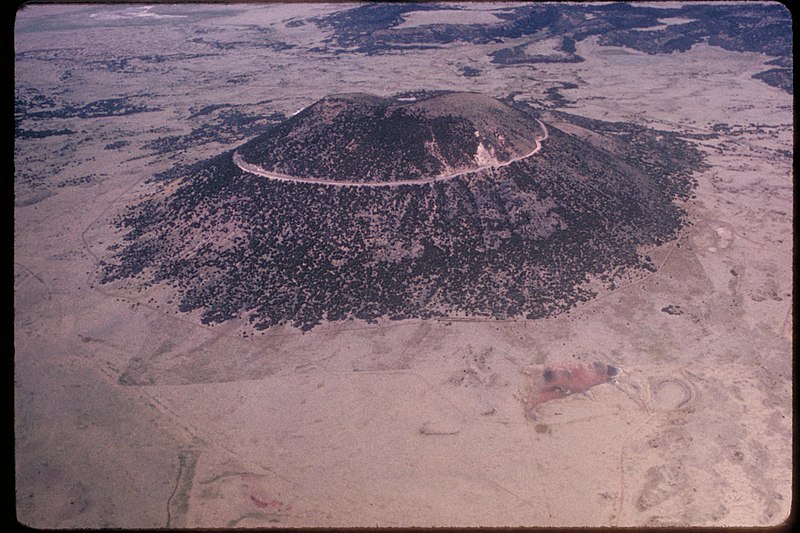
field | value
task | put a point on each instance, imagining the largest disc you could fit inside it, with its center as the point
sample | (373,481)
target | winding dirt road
(257,170)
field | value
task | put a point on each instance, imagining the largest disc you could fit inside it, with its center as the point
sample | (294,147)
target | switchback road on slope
(255,169)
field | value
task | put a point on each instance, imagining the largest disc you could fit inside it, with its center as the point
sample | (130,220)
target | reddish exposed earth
(561,380)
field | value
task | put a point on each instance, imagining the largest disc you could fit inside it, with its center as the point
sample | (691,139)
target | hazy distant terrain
(403,264)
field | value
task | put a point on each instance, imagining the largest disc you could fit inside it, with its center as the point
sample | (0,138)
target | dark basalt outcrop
(363,138)
(514,240)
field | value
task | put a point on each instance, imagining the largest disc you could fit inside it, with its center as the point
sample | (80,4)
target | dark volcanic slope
(358,137)
(518,240)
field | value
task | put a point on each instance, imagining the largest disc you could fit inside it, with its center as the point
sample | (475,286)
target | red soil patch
(559,381)
(270,503)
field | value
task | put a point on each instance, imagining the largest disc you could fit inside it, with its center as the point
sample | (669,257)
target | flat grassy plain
(129,413)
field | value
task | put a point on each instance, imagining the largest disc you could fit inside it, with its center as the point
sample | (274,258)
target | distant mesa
(360,138)
(450,205)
